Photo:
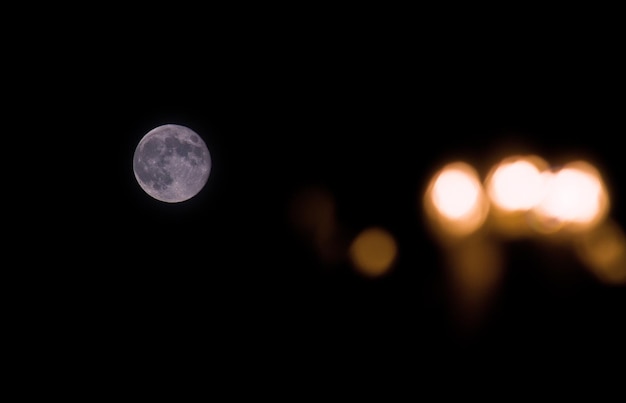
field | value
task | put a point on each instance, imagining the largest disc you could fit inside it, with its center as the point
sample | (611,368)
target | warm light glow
(572,196)
(475,270)
(455,200)
(575,195)
(603,250)
(517,184)
(455,193)
(373,252)
(312,215)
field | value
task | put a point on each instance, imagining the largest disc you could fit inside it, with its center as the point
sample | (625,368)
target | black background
(367,106)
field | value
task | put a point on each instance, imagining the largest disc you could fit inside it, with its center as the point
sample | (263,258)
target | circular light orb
(373,252)
(455,201)
(603,250)
(172,163)
(455,193)
(517,183)
(576,197)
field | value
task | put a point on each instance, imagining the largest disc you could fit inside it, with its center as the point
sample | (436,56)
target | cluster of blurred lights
(571,198)
(520,196)
(523,195)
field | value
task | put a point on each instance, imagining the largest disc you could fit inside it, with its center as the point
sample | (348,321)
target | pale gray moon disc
(172,163)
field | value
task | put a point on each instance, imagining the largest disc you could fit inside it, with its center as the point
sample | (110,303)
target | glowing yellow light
(517,184)
(373,252)
(455,193)
(575,195)
(455,199)
(572,196)
(603,250)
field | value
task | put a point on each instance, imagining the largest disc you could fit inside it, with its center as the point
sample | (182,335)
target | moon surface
(172,163)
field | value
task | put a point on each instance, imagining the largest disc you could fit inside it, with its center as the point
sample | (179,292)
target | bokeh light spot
(455,201)
(455,193)
(517,184)
(373,252)
(575,196)
(312,213)
(603,251)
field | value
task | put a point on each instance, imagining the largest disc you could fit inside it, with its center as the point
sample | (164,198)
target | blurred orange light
(373,252)
(475,271)
(516,184)
(603,250)
(455,199)
(312,212)
(455,193)
(312,215)
(575,195)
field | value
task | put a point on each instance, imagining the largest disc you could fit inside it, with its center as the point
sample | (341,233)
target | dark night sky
(368,110)
(369,122)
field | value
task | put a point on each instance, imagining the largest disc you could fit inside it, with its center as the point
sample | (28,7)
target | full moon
(172,163)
